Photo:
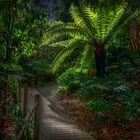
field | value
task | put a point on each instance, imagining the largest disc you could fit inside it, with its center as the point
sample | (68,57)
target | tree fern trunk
(100,56)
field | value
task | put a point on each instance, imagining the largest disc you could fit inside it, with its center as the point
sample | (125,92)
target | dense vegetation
(21,29)
(92,51)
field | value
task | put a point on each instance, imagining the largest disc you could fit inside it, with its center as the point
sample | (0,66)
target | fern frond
(55,25)
(54,39)
(87,56)
(60,58)
(126,21)
(118,13)
(65,43)
(68,30)
(81,19)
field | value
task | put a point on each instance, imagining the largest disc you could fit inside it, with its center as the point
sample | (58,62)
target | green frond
(126,21)
(100,22)
(81,19)
(65,43)
(87,56)
(58,27)
(92,18)
(106,21)
(115,17)
(57,30)
(60,58)
(54,39)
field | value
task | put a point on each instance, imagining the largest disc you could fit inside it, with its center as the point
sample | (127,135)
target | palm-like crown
(89,28)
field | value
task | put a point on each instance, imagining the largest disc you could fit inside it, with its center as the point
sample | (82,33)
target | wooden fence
(35,113)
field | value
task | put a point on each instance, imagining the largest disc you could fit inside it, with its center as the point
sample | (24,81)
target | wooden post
(37,117)
(25,100)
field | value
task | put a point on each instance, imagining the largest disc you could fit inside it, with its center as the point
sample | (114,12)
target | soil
(72,107)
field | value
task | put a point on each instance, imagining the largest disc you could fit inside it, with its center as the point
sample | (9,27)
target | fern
(63,55)
(87,56)
(90,27)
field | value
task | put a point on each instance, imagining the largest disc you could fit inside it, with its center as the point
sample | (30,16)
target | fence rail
(35,113)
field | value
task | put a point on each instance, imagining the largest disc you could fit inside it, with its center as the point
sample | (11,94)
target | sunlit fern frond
(115,17)
(89,25)
(66,30)
(60,58)
(126,20)
(104,20)
(81,19)
(65,43)
(51,40)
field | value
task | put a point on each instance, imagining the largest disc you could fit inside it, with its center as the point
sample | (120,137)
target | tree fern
(90,27)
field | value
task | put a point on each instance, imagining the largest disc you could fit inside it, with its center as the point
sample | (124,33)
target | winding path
(54,126)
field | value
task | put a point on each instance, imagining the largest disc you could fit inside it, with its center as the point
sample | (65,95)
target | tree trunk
(100,56)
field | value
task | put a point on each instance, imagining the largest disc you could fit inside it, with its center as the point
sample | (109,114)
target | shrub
(70,80)
(108,97)
(100,106)
(125,110)
(39,70)
(101,109)
(111,96)
(41,67)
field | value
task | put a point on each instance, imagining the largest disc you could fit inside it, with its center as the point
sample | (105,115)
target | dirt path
(53,125)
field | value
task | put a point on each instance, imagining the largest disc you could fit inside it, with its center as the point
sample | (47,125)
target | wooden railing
(35,113)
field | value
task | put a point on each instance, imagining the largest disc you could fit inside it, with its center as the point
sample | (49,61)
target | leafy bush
(109,87)
(13,105)
(125,110)
(70,80)
(101,109)
(101,106)
(108,97)
(112,96)
(39,70)
(41,67)
(131,110)
(127,68)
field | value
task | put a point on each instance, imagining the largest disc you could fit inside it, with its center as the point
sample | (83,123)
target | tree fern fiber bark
(100,57)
